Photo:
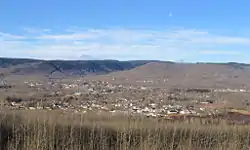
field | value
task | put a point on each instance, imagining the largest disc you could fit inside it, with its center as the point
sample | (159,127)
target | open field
(57,130)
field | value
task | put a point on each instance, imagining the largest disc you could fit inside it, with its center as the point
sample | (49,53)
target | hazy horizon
(184,62)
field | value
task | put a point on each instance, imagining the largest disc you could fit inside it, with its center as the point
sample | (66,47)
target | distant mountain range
(72,67)
(97,67)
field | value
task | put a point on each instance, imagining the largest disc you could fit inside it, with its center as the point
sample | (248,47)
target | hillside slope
(185,75)
(157,73)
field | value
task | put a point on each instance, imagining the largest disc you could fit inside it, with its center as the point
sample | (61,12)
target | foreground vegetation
(33,130)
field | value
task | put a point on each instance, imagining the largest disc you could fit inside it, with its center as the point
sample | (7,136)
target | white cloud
(36,30)
(119,43)
(220,52)
(75,36)
(223,40)
(8,36)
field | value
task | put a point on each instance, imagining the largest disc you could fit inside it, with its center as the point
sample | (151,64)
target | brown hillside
(184,75)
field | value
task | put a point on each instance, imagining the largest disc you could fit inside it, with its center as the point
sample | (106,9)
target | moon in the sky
(170,14)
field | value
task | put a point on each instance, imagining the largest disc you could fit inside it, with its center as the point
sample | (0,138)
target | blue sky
(194,30)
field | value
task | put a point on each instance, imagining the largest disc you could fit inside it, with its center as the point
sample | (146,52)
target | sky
(171,30)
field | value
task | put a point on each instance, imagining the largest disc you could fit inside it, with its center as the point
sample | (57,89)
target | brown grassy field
(39,130)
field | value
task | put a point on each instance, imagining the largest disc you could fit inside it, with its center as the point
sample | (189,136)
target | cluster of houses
(99,96)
